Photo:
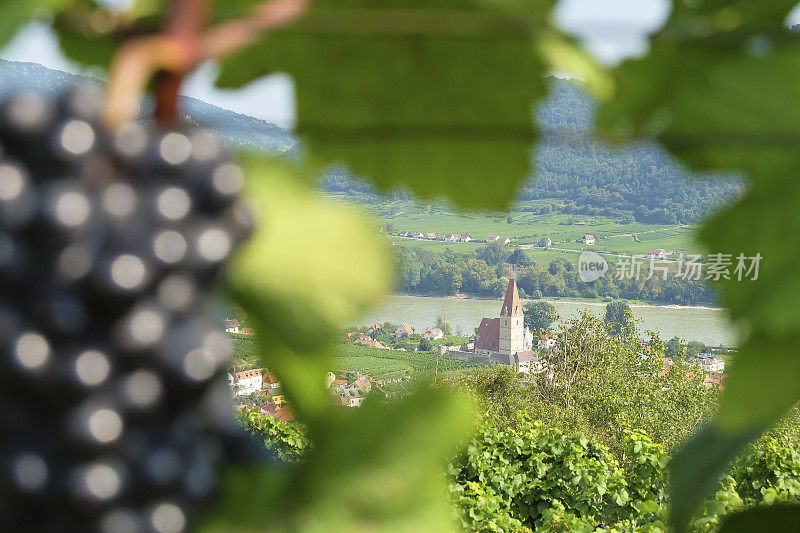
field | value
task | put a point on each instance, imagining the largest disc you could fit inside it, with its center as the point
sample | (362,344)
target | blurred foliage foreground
(437,96)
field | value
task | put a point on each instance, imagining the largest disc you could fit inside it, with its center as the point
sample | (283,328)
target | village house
(276,396)
(246,331)
(352,398)
(404,330)
(369,341)
(545,342)
(269,381)
(710,363)
(245,382)
(588,239)
(492,238)
(374,329)
(464,237)
(451,238)
(231,325)
(432,333)
(506,340)
(440,238)
(338,385)
(418,235)
(715,380)
(281,413)
(658,253)
(404,234)
(430,236)
(504,240)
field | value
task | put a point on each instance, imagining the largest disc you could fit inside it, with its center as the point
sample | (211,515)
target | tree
(619,316)
(695,348)
(673,348)
(444,325)
(519,258)
(493,253)
(539,315)
(425,344)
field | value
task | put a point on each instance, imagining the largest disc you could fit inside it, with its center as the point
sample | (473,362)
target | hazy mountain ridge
(583,175)
(237,129)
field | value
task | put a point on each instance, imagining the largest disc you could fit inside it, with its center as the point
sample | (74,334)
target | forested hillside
(239,130)
(585,176)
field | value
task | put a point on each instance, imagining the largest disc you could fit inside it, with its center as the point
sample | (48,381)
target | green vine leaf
(702,92)
(377,468)
(296,277)
(436,96)
(777,518)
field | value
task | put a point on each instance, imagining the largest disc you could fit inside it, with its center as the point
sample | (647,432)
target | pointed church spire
(511,304)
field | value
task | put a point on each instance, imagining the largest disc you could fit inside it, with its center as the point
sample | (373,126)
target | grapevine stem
(178,48)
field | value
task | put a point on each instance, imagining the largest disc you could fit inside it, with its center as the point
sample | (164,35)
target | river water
(710,326)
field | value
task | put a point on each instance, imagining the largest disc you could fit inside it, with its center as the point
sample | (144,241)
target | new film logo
(591,266)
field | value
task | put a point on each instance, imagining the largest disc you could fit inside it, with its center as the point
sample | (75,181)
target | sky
(612,30)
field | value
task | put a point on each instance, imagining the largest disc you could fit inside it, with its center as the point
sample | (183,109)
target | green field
(388,364)
(525,226)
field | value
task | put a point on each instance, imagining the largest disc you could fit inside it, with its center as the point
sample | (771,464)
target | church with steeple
(505,339)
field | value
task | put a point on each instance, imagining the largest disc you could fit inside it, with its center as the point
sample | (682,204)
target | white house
(418,235)
(246,382)
(588,239)
(231,325)
(545,342)
(658,253)
(711,363)
(432,333)
(503,240)
(464,237)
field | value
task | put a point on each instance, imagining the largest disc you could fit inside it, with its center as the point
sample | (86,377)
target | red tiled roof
(247,374)
(511,304)
(488,335)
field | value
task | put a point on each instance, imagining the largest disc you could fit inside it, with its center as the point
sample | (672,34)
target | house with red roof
(404,330)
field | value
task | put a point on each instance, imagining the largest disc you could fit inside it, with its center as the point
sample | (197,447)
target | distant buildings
(588,239)
(231,325)
(710,363)
(432,333)
(658,253)
(404,330)
(351,394)
(497,238)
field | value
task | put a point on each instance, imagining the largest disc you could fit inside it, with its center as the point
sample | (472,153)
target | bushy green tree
(539,315)
(619,317)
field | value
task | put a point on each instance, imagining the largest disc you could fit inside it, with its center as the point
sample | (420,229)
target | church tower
(512,328)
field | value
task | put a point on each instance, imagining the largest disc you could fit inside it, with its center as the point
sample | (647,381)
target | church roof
(511,304)
(488,335)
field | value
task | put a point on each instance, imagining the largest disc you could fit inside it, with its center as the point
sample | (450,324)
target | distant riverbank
(588,301)
(705,324)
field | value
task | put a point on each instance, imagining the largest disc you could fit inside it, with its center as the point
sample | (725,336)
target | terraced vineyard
(389,364)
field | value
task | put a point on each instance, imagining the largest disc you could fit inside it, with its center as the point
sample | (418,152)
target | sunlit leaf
(379,468)
(311,267)
(433,95)
(715,90)
(777,518)
(695,470)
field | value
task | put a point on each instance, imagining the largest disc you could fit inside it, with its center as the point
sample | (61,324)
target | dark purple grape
(114,412)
